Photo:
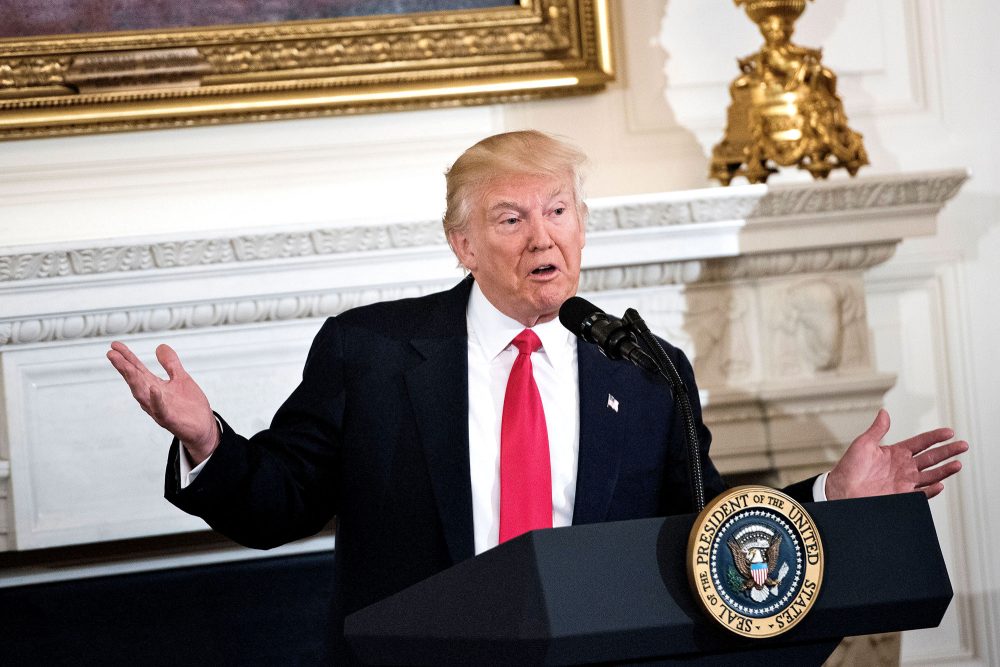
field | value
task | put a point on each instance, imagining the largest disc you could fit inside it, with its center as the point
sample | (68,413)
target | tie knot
(526,342)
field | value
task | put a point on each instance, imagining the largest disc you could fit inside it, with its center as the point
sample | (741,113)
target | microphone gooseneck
(615,338)
(696,476)
(609,333)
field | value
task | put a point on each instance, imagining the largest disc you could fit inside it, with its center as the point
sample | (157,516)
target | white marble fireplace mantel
(762,286)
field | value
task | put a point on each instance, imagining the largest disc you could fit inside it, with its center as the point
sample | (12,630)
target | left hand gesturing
(869,468)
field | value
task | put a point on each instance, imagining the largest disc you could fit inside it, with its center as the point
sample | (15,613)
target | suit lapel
(603,414)
(438,390)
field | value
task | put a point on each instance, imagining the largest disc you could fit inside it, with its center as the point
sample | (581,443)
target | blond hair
(527,152)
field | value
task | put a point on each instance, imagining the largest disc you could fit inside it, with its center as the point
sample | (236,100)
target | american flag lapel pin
(612,402)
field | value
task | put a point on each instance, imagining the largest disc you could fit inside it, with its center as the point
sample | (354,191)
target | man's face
(523,243)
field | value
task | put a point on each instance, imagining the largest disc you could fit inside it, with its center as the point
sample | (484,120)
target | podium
(618,593)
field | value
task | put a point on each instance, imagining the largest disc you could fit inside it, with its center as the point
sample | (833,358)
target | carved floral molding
(620,228)
(242,311)
(203,252)
(713,205)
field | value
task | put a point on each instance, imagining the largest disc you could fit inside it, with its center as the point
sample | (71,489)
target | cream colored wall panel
(917,321)
(976,287)
(87,465)
(348,170)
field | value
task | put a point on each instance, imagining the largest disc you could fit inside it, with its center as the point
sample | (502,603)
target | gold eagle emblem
(756,554)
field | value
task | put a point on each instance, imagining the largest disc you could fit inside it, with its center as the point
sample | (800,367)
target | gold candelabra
(785,109)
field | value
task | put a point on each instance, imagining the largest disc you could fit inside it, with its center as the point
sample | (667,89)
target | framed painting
(80,66)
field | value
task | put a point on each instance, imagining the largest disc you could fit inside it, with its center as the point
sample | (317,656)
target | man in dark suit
(403,421)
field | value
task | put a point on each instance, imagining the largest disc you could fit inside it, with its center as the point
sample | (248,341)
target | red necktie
(525,471)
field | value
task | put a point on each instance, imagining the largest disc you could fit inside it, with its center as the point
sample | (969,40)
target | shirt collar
(495,331)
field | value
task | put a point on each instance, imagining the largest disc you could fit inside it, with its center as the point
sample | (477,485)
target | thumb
(878,429)
(170,361)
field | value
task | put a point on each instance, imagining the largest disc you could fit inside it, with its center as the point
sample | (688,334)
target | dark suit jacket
(377,435)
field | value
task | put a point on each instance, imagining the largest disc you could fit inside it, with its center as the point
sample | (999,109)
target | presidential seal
(755,561)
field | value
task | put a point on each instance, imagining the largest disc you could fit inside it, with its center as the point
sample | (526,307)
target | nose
(539,237)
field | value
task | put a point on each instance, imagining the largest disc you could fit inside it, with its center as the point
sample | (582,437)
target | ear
(583,214)
(463,248)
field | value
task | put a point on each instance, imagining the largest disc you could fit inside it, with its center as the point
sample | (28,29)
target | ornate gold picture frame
(84,83)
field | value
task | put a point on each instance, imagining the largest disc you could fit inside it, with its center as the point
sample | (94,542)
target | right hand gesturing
(178,404)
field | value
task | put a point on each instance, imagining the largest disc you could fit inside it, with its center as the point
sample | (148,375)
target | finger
(939,474)
(123,349)
(118,361)
(170,361)
(129,357)
(931,491)
(131,375)
(932,457)
(922,441)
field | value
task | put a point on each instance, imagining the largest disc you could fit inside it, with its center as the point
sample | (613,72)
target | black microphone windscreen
(575,312)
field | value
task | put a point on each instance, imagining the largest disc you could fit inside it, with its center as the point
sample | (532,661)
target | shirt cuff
(189,474)
(819,488)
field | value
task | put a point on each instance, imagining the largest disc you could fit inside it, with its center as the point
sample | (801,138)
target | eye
(559,211)
(510,221)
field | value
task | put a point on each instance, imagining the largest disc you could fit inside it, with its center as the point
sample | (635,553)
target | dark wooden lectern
(618,592)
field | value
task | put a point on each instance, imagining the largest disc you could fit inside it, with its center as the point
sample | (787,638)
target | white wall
(917,79)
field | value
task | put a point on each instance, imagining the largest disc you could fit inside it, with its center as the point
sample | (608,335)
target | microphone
(609,333)
(614,337)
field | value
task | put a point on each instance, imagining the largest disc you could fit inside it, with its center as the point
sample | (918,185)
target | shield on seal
(759,572)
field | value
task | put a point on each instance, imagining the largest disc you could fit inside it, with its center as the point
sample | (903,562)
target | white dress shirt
(491,357)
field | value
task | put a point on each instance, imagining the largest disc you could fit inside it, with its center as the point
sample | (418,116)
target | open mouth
(543,270)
